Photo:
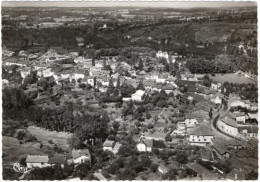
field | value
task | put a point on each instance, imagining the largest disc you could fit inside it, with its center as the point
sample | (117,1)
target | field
(232,78)
(44,136)
(13,151)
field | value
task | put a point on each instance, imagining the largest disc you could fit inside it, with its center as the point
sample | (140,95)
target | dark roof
(57,160)
(158,144)
(249,128)
(148,143)
(219,147)
(229,121)
(236,174)
(202,131)
(81,152)
(204,172)
(185,83)
(37,158)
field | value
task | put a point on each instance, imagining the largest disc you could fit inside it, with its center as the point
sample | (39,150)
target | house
(58,160)
(206,156)
(25,72)
(91,80)
(236,174)
(145,145)
(203,172)
(220,149)
(163,169)
(79,74)
(168,88)
(154,135)
(239,117)
(161,54)
(248,131)
(175,165)
(138,95)
(228,126)
(180,129)
(234,144)
(191,120)
(108,145)
(201,136)
(215,85)
(159,144)
(81,156)
(37,161)
(237,103)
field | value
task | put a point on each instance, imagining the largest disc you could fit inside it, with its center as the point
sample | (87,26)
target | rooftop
(202,131)
(37,158)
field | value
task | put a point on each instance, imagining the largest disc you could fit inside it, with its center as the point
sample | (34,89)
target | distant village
(178,112)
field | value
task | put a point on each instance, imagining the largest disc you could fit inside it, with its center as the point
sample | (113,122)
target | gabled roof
(81,152)
(219,146)
(108,143)
(249,128)
(57,160)
(37,159)
(202,131)
(229,121)
(204,172)
(158,144)
(147,142)
(236,174)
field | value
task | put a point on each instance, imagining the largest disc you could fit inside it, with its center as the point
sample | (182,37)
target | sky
(168,4)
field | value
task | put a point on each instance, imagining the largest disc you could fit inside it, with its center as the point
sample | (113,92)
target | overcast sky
(140,4)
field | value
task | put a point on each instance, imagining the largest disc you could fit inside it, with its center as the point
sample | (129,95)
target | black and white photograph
(129,90)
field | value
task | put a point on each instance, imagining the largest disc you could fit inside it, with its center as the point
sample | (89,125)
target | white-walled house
(25,71)
(37,161)
(47,73)
(138,95)
(81,156)
(228,126)
(108,145)
(201,136)
(145,145)
(190,120)
(237,103)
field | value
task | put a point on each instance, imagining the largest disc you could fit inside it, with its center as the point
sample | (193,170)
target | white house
(237,103)
(81,156)
(37,161)
(201,136)
(163,169)
(79,73)
(161,54)
(47,73)
(138,95)
(215,85)
(91,81)
(145,145)
(108,145)
(228,126)
(25,71)
(190,120)
(216,99)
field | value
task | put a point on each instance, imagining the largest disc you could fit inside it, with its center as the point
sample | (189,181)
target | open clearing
(232,78)
(59,138)
(13,151)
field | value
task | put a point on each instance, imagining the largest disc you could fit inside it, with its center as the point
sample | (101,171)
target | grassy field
(13,151)
(44,136)
(232,78)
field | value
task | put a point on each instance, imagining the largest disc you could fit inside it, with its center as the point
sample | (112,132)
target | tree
(74,142)
(172,174)
(154,167)
(83,169)
(210,113)
(127,90)
(141,65)
(182,157)
(140,86)
(82,85)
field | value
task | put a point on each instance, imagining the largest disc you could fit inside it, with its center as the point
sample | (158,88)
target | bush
(154,167)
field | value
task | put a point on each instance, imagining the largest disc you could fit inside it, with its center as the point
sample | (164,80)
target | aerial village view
(133,92)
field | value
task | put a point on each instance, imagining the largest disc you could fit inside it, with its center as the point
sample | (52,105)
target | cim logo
(20,169)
